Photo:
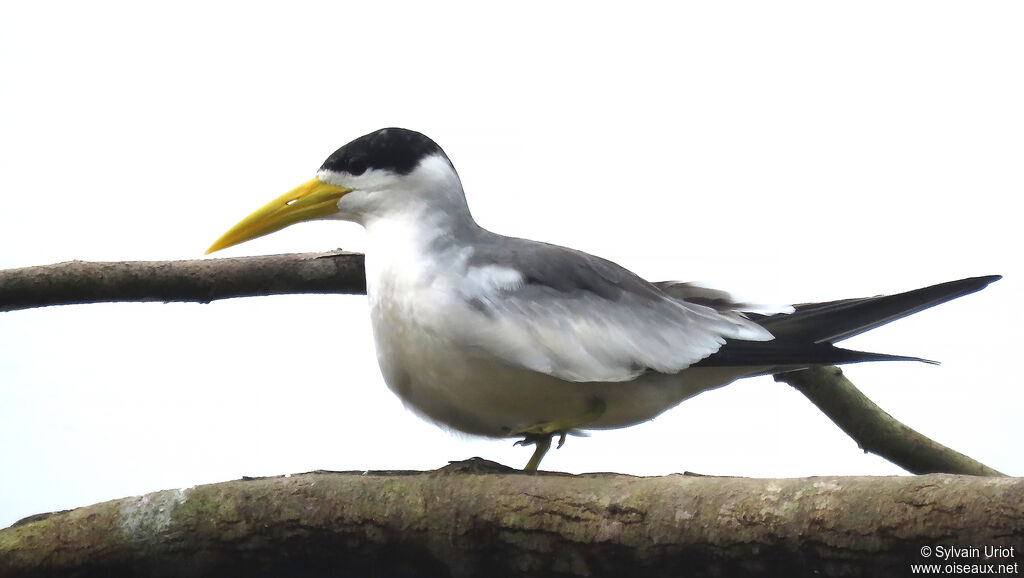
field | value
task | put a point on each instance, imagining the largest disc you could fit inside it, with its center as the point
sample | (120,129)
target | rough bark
(876,431)
(478,518)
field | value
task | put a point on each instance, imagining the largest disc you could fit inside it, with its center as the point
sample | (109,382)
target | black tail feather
(780,354)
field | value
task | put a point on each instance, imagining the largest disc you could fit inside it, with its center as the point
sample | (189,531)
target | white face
(391,175)
(432,185)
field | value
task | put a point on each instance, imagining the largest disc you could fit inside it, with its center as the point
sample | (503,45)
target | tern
(503,337)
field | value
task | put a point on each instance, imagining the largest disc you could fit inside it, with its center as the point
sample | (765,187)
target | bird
(504,337)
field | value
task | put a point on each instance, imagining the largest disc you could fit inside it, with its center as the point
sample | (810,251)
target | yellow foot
(541,433)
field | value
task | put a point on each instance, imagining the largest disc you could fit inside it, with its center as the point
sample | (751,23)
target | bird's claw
(561,440)
(540,434)
(531,438)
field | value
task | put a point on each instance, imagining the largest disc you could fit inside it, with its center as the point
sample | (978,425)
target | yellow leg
(541,433)
(543,442)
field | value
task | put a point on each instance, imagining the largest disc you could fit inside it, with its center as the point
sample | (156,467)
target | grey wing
(581,318)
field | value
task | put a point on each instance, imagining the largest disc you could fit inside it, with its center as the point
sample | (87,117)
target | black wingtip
(837,320)
(982,281)
(805,337)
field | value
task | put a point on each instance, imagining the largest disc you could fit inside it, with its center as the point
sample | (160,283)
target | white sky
(787,151)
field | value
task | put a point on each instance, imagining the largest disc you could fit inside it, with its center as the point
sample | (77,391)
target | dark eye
(356,165)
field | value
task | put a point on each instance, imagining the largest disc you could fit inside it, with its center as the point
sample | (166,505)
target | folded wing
(581,318)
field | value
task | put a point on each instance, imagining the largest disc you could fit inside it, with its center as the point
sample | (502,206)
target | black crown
(397,150)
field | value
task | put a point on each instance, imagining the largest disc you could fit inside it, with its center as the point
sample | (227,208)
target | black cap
(397,150)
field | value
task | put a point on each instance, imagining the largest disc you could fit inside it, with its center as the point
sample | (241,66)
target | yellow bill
(313,199)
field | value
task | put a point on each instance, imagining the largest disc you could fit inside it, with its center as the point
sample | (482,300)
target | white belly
(455,387)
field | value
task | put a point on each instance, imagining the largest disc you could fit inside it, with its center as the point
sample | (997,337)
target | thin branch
(475,518)
(876,431)
(200,280)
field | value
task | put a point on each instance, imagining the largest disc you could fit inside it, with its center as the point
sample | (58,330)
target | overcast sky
(788,152)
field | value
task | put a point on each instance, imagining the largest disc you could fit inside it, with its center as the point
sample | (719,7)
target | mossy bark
(476,518)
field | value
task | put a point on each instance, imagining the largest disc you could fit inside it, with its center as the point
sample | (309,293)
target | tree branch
(476,518)
(201,280)
(876,431)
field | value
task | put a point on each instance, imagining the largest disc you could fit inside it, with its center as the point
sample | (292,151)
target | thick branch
(876,431)
(476,519)
(201,280)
